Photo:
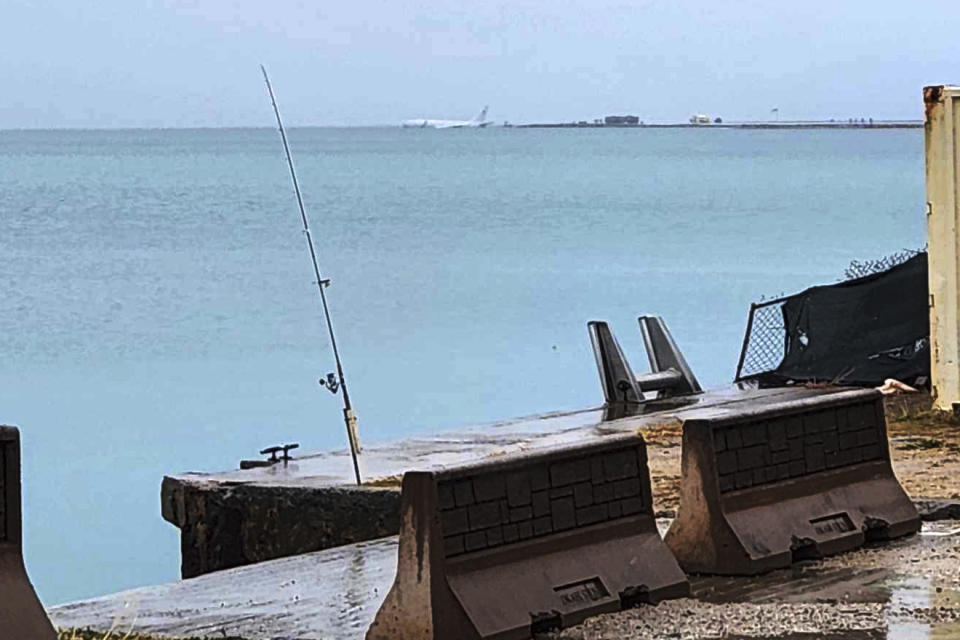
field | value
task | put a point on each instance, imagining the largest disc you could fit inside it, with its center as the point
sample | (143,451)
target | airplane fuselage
(427,123)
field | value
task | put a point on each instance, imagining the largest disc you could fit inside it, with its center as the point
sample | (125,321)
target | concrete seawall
(225,525)
(235,518)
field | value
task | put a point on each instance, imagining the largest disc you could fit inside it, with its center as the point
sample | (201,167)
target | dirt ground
(905,589)
(924,444)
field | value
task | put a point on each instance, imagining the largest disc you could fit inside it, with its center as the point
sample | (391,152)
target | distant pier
(876,124)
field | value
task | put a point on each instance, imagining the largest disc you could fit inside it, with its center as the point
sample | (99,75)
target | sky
(194,63)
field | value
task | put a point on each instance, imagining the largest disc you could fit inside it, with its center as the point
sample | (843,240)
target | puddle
(804,582)
(940,528)
(914,597)
(902,576)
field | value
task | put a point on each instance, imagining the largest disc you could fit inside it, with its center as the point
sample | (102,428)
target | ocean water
(159,315)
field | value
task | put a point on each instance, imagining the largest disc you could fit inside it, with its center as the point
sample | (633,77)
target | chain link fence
(764,344)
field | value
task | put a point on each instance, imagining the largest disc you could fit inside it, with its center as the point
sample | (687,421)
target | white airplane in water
(479,121)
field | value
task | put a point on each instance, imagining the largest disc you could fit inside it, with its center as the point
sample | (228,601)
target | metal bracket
(670,375)
(283,450)
(664,356)
(285,456)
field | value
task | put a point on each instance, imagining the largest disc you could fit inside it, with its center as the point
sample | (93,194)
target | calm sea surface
(158,312)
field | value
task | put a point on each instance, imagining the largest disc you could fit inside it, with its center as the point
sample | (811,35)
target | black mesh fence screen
(859,332)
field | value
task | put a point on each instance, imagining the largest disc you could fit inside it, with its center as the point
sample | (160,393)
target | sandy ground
(925,447)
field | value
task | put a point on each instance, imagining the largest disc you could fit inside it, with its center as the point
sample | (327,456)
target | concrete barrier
(526,543)
(21,614)
(793,480)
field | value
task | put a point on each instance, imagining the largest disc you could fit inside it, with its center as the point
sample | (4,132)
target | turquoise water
(159,313)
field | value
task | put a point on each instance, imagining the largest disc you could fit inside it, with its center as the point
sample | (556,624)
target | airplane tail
(483,115)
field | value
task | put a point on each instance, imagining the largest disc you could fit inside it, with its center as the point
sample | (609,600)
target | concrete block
(579,558)
(821,501)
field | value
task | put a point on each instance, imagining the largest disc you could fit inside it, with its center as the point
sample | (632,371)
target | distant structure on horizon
(621,121)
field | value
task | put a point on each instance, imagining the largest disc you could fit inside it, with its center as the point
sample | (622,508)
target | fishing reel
(330,384)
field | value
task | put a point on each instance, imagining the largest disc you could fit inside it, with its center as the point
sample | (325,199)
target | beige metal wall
(942,126)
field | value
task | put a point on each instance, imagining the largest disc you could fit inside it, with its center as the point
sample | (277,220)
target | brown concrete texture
(571,531)
(924,449)
(805,478)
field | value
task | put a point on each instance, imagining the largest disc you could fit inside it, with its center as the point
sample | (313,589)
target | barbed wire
(861,268)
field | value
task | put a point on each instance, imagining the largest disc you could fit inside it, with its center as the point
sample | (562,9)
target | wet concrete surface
(381,462)
(905,589)
(233,518)
(328,594)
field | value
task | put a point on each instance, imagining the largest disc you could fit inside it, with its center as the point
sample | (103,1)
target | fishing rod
(331,383)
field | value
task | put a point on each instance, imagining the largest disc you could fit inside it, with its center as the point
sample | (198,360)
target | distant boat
(425,123)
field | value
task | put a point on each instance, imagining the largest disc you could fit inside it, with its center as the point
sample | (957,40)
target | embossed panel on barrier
(750,455)
(527,543)
(490,510)
(799,479)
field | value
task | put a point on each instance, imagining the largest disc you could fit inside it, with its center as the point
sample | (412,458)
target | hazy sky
(179,63)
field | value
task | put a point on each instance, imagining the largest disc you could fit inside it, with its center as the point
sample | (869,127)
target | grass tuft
(915,442)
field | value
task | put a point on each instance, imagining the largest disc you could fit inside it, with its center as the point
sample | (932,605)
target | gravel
(908,588)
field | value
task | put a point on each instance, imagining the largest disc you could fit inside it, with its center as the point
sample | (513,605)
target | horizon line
(397,125)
